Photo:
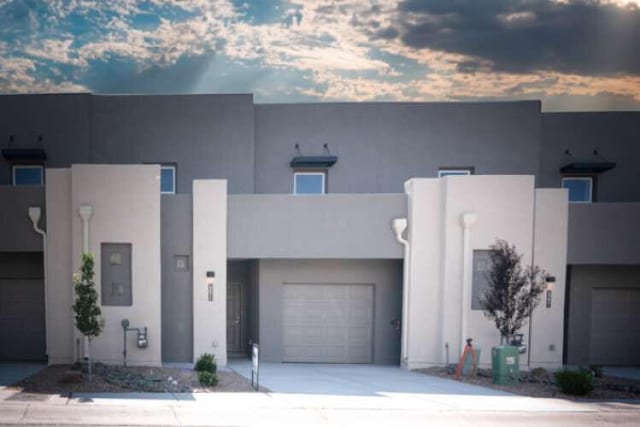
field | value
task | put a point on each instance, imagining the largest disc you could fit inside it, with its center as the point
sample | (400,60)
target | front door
(235,302)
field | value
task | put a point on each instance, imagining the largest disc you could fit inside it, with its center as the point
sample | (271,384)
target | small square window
(28,175)
(580,188)
(167,179)
(454,172)
(181,262)
(115,258)
(309,183)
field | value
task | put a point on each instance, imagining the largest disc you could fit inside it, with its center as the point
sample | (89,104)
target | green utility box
(505,365)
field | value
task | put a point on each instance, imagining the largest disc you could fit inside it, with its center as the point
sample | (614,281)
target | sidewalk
(281,409)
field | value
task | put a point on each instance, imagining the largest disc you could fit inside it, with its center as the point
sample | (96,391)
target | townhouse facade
(335,233)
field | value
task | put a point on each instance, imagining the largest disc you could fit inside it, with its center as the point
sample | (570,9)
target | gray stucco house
(338,232)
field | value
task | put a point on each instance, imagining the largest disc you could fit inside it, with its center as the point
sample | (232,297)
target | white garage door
(615,326)
(327,323)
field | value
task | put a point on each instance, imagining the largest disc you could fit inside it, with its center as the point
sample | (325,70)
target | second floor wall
(378,145)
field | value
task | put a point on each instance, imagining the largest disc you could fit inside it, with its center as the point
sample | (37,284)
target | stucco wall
(381,145)
(550,254)
(59,287)
(604,233)
(210,254)
(386,275)
(504,206)
(614,134)
(126,209)
(16,229)
(207,136)
(63,121)
(329,226)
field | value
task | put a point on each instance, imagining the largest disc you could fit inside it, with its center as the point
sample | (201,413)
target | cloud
(575,36)
(327,50)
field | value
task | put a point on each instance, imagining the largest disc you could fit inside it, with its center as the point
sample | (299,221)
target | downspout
(399,226)
(85,212)
(467,220)
(34,215)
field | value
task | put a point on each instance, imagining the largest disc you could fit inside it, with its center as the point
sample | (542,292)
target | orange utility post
(474,359)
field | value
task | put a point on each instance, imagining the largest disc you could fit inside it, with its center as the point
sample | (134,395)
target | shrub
(576,383)
(207,379)
(206,363)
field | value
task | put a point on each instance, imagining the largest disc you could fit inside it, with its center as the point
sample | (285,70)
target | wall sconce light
(211,277)
(550,282)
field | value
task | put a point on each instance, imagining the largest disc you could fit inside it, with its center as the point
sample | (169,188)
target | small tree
(87,312)
(513,291)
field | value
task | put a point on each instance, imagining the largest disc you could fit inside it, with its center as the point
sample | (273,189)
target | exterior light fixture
(550,282)
(211,277)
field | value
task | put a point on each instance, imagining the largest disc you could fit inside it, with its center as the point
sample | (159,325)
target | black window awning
(24,154)
(311,162)
(587,167)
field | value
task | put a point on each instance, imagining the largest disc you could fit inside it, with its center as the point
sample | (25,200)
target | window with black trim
(309,183)
(167,179)
(580,188)
(27,175)
(454,171)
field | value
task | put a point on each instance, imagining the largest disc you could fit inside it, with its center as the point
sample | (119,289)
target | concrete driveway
(11,372)
(354,380)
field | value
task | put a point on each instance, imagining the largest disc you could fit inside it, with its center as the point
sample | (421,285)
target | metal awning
(21,154)
(587,167)
(311,162)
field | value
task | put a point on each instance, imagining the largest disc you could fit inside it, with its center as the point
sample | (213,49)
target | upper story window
(28,175)
(167,179)
(580,188)
(309,183)
(454,171)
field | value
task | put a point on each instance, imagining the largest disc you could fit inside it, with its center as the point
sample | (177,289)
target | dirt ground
(605,388)
(109,378)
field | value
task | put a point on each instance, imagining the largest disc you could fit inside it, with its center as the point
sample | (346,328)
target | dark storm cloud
(581,36)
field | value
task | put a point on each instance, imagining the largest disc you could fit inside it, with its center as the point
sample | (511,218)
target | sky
(574,55)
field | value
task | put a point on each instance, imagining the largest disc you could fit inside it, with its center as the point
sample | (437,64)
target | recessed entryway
(242,306)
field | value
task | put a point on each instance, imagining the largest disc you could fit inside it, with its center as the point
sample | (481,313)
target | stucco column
(467,220)
(210,259)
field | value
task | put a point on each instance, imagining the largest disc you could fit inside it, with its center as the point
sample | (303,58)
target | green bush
(206,363)
(207,379)
(576,383)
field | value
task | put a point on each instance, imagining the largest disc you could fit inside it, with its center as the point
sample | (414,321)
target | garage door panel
(615,315)
(327,323)
(22,323)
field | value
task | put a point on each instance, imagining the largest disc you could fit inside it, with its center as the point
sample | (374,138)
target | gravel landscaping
(67,379)
(540,383)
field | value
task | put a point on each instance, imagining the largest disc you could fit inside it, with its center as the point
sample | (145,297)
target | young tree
(513,291)
(87,312)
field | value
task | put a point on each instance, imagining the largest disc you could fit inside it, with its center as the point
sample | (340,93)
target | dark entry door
(235,297)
